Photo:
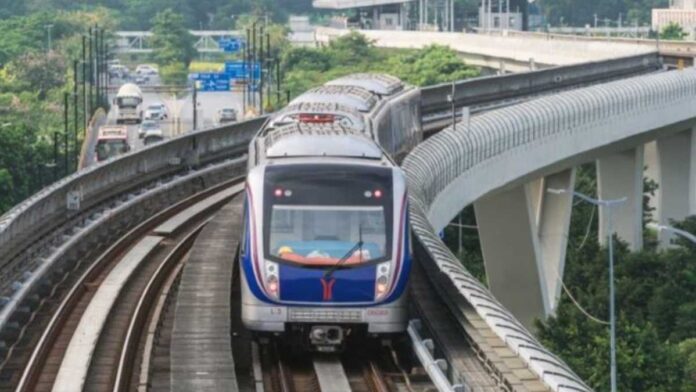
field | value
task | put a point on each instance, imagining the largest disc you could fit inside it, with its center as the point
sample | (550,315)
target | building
(503,15)
(301,31)
(682,12)
(371,14)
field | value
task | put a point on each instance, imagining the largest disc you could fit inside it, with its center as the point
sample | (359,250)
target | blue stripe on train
(247,264)
(305,285)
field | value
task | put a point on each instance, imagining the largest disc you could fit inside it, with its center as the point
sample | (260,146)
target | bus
(112,141)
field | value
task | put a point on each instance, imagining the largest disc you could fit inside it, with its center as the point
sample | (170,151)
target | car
(156,111)
(152,136)
(140,79)
(226,115)
(146,69)
(150,126)
(118,71)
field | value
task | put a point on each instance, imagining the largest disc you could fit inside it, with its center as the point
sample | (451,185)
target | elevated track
(49,241)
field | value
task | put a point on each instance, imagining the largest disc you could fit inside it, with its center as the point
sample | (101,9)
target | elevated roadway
(447,172)
(510,53)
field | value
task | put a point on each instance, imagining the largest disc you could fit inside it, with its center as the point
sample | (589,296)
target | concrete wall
(502,150)
(489,50)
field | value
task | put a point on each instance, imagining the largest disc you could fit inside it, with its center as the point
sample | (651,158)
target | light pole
(48,28)
(608,204)
(674,230)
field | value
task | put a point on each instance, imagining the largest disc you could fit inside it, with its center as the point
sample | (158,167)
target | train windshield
(110,148)
(318,216)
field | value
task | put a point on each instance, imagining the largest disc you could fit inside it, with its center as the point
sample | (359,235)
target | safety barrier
(43,212)
(457,166)
(479,91)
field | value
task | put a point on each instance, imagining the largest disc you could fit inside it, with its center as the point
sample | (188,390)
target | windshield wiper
(358,246)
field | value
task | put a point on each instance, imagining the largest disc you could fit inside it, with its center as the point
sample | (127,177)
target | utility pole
(75,95)
(595,21)
(48,29)
(195,106)
(91,72)
(65,130)
(454,109)
(253,64)
(278,82)
(97,67)
(261,64)
(84,81)
(269,68)
(609,205)
(55,156)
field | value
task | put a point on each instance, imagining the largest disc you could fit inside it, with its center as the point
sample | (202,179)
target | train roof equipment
(352,96)
(326,140)
(380,84)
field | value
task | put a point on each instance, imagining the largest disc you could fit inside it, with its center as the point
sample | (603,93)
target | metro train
(325,255)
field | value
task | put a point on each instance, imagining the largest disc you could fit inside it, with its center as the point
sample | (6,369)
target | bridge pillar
(621,175)
(523,233)
(677,179)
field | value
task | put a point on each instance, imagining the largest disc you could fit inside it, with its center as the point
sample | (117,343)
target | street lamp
(609,204)
(674,230)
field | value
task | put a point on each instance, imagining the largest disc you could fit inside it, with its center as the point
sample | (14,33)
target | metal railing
(503,146)
(481,91)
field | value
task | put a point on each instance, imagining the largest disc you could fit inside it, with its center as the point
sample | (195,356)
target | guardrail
(43,212)
(501,148)
(484,90)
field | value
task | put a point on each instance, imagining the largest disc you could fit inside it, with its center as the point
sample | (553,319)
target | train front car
(326,254)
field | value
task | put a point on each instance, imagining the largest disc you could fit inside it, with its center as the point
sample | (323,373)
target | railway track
(373,369)
(95,338)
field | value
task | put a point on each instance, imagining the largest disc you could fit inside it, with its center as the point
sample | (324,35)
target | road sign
(213,85)
(231,45)
(206,76)
(240,70)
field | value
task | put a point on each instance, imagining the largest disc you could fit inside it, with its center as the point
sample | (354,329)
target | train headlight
(272,281)
(382,280)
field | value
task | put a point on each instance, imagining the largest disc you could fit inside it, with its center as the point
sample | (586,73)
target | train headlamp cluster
(280,192)
(272,281)
(377,194)
(382,279)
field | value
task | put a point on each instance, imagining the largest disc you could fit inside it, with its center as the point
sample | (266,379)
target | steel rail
(152,289)
(144,306)
(49,336)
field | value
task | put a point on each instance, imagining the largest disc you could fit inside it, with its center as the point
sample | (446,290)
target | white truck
(129,101)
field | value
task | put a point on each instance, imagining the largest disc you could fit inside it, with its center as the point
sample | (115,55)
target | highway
(180,114)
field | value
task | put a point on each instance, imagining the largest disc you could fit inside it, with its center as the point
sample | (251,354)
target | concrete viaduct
(504,161)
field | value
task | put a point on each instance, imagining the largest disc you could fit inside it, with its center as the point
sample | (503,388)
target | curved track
(110,361)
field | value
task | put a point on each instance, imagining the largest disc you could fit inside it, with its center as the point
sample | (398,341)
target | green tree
(174,74)
(38,72)
(431,65)
(172,40)
(688,349)
(673,31)
(580,13)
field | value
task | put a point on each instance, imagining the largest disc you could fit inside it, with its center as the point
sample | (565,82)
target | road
(180,110)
